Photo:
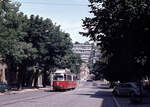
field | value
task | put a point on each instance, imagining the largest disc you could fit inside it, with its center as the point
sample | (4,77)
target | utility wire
(54,4)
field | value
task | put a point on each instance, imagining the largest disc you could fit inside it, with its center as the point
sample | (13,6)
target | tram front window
(58,78)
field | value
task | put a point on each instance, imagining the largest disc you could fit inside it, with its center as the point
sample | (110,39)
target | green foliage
(75,63)
(11,47)
(53,45)
(77,42)
(33,41)
(99,69)
(121,28)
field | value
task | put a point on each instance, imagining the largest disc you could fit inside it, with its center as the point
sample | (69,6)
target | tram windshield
(58,77)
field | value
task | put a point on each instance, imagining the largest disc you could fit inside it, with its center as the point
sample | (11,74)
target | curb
(2,94)
(116,102)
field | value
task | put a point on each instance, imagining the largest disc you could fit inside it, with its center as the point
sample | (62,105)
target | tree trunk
(20,79)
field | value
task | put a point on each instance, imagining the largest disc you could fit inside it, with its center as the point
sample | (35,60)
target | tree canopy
(122,29)
(33,41)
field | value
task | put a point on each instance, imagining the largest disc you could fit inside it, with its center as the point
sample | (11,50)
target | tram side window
(65,77)
(74,78)
(69,77)
(58,78)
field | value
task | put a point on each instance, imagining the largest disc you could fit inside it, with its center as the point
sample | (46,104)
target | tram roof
(60,71)
(63,71)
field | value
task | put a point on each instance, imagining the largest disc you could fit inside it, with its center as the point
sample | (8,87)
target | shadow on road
(56,90)
(101,86)
(49,91)
(104,95)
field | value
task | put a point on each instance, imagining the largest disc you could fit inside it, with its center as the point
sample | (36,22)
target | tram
(63,80)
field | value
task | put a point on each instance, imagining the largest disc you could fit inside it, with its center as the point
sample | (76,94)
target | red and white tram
(63,80)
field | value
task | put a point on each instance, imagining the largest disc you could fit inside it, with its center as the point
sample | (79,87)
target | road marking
(115,100)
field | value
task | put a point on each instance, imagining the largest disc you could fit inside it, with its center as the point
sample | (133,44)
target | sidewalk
(24,90)
(126,102)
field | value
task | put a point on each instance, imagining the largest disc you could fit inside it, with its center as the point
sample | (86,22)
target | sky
(67,13)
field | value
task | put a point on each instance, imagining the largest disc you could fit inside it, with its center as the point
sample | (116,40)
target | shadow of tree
(103,93)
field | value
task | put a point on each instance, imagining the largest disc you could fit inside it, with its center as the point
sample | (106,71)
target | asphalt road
(89,94)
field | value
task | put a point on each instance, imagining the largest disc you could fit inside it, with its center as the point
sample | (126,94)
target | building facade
(85,51)
(88,55)
(84,72)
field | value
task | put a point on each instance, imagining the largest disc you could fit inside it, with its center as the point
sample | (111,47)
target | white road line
(115,100)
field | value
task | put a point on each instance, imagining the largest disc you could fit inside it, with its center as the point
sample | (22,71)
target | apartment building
(85,51)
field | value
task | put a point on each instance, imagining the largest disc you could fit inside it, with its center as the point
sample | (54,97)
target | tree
(77,42)
(75,63)
(86,43)
(27,42)
(12,47)
(53,46)
(121,29)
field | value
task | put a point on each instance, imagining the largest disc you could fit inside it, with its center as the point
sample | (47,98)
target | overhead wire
(54,4)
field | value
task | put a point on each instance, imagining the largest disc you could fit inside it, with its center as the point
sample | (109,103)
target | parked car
(89,80)
(4,87)
(126,89)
